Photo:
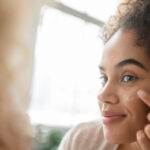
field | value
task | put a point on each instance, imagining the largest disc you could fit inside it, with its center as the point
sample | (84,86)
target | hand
(143,136)
(15,130)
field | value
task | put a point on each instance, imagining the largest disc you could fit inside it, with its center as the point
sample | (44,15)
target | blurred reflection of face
(125,68)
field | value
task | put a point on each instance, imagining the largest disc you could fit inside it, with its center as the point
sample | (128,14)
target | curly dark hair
(131,14)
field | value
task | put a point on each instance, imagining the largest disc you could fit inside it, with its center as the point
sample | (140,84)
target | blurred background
(65,77)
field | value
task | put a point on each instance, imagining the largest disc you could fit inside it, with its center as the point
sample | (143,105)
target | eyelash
(103,79)
(130,78)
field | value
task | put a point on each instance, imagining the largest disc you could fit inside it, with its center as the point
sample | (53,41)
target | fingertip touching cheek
(124,69)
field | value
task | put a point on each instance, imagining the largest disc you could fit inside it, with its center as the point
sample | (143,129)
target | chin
(115,137)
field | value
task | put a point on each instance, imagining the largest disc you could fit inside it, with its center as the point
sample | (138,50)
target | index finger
(144,96)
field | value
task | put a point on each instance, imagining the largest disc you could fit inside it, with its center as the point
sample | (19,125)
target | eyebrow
(130,61)
(126,62)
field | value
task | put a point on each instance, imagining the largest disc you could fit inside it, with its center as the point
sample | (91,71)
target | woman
(124,99)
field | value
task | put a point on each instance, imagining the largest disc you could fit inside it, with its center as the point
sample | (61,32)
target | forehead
(122,46)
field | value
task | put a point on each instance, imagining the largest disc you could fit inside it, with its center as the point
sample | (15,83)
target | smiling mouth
(110,118)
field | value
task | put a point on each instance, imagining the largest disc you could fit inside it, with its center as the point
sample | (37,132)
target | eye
(128,78)
(103,79)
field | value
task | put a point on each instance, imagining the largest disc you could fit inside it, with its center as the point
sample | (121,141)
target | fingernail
(142,93)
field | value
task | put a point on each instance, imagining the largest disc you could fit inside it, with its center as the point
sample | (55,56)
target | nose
(108,94)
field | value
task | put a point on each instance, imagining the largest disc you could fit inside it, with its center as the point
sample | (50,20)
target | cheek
(134,105)
(130,97)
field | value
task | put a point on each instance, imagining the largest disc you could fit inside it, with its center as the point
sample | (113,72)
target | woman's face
(125,68)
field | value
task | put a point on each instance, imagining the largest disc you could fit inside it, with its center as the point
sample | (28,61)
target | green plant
(47,138)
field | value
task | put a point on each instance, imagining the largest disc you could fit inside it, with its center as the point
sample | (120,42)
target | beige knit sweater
(86,136)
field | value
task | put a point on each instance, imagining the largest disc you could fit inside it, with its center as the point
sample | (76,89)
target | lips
(109,117)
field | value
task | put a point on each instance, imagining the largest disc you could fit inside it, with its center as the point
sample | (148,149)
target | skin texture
(120,84)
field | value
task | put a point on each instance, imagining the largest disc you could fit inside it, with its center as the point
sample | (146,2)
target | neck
(129,146)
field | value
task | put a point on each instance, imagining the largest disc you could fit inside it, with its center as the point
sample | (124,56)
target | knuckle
(141,137)
(147,130)
(148,116)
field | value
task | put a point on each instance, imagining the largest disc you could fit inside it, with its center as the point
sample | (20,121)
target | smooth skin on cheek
(131,95)
(133,106)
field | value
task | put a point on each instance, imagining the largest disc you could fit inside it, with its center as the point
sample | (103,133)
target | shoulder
(85,136)
(87,129)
